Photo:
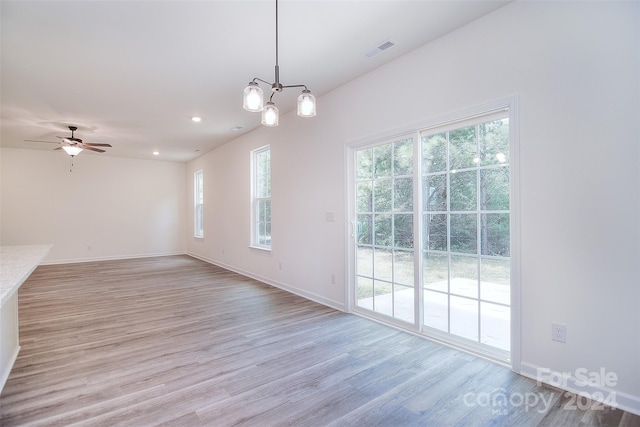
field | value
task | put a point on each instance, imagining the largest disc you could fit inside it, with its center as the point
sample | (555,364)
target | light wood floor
(176,341)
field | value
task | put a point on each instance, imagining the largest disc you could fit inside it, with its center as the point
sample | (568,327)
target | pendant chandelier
(254,96)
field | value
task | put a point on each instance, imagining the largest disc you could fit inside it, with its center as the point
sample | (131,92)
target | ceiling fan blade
(59,148)
(86,147)
(93,144)
(36,140)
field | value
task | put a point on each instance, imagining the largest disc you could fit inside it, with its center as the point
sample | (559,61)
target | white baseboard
(291,289)
(568,382)
(109,258)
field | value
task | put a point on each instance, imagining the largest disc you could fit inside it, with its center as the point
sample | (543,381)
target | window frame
(198,204)
(258,240)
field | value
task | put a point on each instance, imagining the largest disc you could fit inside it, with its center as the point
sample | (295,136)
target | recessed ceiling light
(156,153)
(236,128)
(196,119)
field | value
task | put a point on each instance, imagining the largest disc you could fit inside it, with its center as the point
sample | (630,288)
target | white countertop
(16,264)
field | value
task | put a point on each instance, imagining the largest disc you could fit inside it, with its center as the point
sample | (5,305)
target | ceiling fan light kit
(72,150)
(253,99)
(74,146)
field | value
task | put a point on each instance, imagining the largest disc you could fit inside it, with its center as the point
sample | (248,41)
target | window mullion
(393,230)
(478,229)
(448,206)
(418,240)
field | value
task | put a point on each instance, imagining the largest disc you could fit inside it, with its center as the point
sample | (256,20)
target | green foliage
(435,231)
(434,189)
(364,197)
(403,195)
(403,230)
(382,233)
(495,234)
(434,153)
(382,195)
(365,229)
(382,161)
(463,191)
(403,157)
(463,148)
(494,189)
(464,233)
(493,142)
(263,174)
(364,164)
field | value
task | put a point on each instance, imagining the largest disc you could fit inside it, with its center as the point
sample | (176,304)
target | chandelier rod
(277,33)
(276,85)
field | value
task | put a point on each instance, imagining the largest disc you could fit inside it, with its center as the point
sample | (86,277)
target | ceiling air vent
(379,49)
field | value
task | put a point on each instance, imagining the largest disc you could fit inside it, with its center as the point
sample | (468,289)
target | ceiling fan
(73,145)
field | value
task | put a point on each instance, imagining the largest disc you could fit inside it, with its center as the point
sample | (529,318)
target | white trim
(350,226)
(466,119)
(261,248)
(625,401)
(304,294)
(418,259)
(514,245)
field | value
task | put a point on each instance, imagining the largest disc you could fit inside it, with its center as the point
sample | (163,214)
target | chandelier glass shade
(253,98)
(306,104)
(270,114)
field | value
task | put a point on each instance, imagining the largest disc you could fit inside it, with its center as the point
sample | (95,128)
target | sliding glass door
(433,225)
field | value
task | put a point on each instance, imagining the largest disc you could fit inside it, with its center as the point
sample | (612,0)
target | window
(432,243)
(198,201)
(261,198)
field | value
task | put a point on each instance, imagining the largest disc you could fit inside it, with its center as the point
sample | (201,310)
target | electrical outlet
(280,265)
(333,278)
(559,332)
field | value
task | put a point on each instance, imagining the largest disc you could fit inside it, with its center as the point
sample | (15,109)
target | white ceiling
(133,73)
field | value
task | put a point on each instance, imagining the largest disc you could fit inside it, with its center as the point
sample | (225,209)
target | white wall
(108,207)
(575,69)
